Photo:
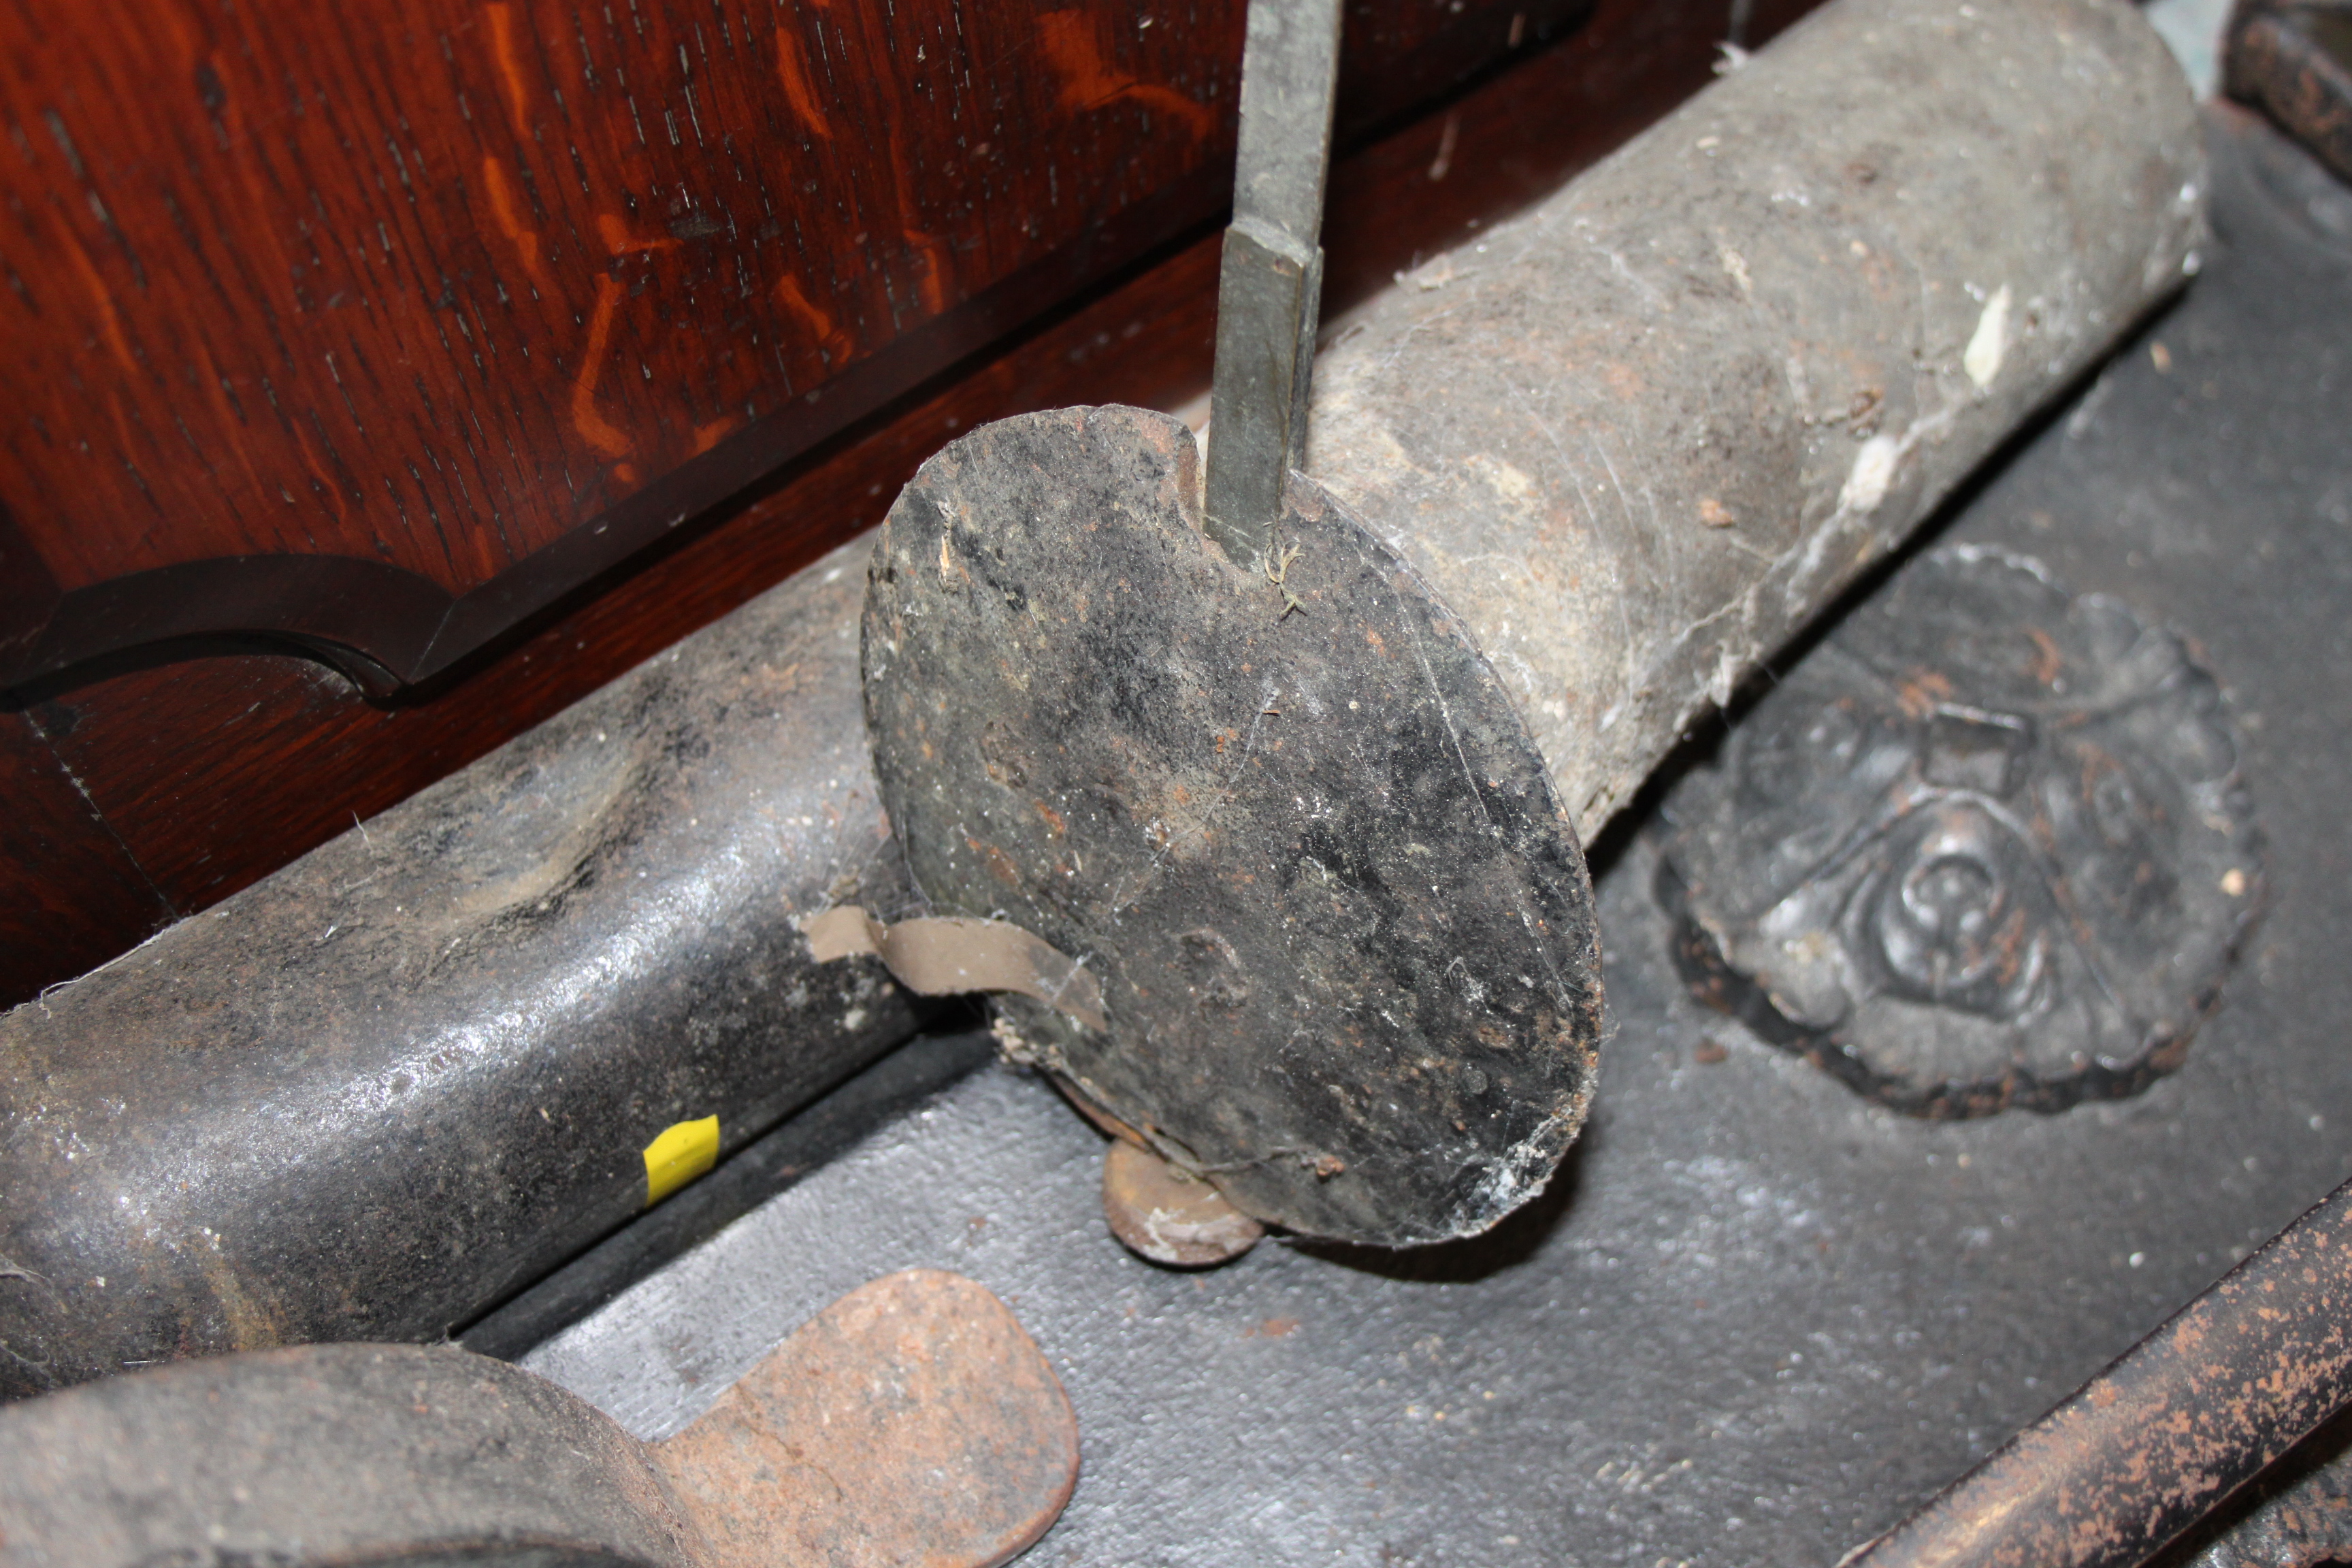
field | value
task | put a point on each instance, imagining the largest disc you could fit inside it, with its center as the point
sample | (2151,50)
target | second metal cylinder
(1640,434)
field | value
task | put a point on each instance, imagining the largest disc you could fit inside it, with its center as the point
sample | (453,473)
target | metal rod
(2183,1418)
(1271,280)
(373,1095)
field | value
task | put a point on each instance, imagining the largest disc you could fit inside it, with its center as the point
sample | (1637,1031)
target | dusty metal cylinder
(1641,434)
(410,1073)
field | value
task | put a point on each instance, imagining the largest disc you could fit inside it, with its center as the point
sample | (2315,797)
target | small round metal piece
(1160,1213)
(1985,846)
(1285,811)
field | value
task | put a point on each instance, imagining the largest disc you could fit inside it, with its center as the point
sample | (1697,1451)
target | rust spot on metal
(1160,1212)
(912,1421)
(1920,691)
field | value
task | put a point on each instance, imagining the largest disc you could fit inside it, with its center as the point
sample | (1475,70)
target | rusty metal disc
(1342,924)
(1160,1212)
(913,1421)
(1985,845)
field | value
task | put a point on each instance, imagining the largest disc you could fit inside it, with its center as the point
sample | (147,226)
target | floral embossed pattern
(1985,845)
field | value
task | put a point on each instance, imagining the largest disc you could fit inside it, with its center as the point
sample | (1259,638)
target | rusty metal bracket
(912,1420)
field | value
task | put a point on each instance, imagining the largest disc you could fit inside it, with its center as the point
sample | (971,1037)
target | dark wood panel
(535,252)
(74,898)
(379,325)
(220,770)
(217,771)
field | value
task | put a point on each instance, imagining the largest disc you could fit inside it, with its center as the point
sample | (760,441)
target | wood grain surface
(74,896)
(378,326)
(208,773)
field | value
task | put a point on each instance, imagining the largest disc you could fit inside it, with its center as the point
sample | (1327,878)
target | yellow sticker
(683,1151)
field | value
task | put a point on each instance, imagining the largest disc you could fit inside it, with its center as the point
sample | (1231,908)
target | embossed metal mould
(1985,845)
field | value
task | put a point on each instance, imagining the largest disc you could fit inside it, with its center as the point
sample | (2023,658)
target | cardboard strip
(945,956)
